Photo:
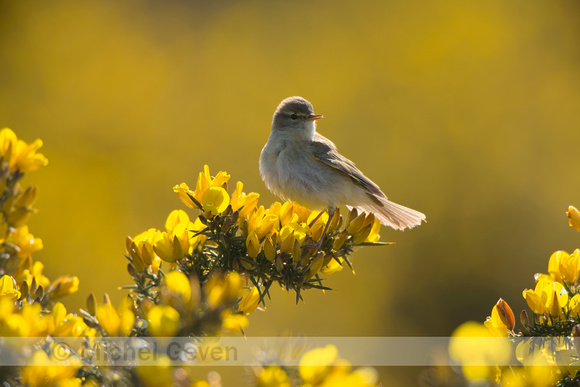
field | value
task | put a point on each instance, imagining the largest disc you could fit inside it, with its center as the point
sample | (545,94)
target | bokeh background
(467,111)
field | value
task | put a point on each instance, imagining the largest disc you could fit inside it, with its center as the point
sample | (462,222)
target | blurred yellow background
(466,111)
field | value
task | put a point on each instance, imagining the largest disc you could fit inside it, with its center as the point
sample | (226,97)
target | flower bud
(269,250)
(287,245)
(524,319)
(334,222)
(351,216)
(316,264)
(506,315)
(361,235)
(19,216)
(339,240)
(279,264)
(27,198)
(356,224)
(64,285)
(253,245)
(92,304)
(296,253)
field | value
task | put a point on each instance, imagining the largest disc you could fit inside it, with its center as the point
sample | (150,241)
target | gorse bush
(198,278)
(547,345)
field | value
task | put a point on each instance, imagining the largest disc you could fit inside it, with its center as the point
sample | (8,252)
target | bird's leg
(315,219)
(330,216)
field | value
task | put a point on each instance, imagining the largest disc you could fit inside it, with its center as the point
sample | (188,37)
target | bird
(300,165)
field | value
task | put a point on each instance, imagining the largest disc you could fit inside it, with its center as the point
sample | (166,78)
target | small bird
(302,166)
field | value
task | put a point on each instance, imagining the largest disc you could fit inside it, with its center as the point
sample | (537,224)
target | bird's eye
(294,116)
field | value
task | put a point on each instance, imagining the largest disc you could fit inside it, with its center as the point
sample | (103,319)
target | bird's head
(294,113)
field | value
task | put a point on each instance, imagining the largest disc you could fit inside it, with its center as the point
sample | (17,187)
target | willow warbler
(302,166)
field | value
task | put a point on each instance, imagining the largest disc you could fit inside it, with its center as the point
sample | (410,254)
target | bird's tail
(392,214)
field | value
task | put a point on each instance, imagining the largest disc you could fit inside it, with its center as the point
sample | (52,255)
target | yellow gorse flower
(215,200)
(116,322)
(45,370)
(246,203)
(273,376)
(64,285)
(564,267)
(250,300)
(501,321)
(323,367)
(8,287)
(574,215)
(29,271)
(177,283)
(548,296)
(18,154)
(163,321)
(26,242)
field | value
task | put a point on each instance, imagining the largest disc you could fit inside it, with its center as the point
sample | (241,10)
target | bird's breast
(290,171)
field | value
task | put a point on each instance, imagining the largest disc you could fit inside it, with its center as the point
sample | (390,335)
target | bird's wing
(325,151)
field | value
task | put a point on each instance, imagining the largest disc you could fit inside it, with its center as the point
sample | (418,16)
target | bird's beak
(314,117)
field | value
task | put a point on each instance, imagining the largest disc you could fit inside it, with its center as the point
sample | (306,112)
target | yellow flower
(283,211)
(273,376)
(250,300)
(204,182)
(316,364)
(42,370)
(548,296)
(292,231)
(143,250)
(176,217)
(26,242)
(159,375)
(163,321)
(248,201)
(20,155)
(116,322)
(64,285)
(233,322)
(61,324)
(332,267)
(471,344)
(215,200)
(178,283)
(253,245)
(35,320)
(8,287)
(182,190)
(574,305)
(172,245)
(374,233)
(108,319)
(222,289)
(563,266)
(28,273)
(502,319)
(262,222)
(27,322)
(574,215)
